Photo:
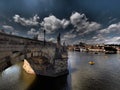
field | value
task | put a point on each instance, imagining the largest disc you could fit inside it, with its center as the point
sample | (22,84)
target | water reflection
(103,75)
(48,83)
(15,78)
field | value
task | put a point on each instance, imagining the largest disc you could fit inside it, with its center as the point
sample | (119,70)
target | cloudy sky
(90,21)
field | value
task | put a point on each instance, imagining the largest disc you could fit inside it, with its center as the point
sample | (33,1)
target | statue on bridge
(43,66)
(58,49)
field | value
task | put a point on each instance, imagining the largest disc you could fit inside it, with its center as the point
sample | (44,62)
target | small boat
(91,63)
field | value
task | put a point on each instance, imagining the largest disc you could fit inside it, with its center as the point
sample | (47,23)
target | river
(103,75)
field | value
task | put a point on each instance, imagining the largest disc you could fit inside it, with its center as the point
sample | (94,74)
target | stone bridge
(15,48)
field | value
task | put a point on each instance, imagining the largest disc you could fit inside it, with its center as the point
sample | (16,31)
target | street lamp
(44,36)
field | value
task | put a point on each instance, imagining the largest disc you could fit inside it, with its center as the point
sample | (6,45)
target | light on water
(103,75)
(15,78)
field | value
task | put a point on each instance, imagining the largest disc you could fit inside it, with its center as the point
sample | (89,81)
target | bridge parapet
(11,43)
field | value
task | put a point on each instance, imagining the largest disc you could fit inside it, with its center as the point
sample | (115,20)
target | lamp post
(44,37)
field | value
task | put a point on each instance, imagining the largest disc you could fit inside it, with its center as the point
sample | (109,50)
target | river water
(103,75)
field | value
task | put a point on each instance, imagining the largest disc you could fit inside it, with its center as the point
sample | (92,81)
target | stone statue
(58,48)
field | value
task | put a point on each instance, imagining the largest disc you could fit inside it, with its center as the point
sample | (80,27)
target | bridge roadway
(15,48)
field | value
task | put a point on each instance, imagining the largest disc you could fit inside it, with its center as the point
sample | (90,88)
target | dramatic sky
(89,21)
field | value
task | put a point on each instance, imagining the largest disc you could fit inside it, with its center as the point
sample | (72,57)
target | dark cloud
(96,21)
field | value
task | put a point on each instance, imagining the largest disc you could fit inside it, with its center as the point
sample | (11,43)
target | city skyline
(76,20)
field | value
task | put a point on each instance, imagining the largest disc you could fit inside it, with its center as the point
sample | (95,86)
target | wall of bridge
(10,43)
(11,47)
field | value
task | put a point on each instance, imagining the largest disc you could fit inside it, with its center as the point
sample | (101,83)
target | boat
(91,63)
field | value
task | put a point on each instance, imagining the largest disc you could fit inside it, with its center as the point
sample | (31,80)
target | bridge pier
(5,63)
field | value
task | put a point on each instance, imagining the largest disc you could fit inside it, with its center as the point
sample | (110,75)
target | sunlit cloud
(52,23)
(82,25)
(10,30)
(26,22)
